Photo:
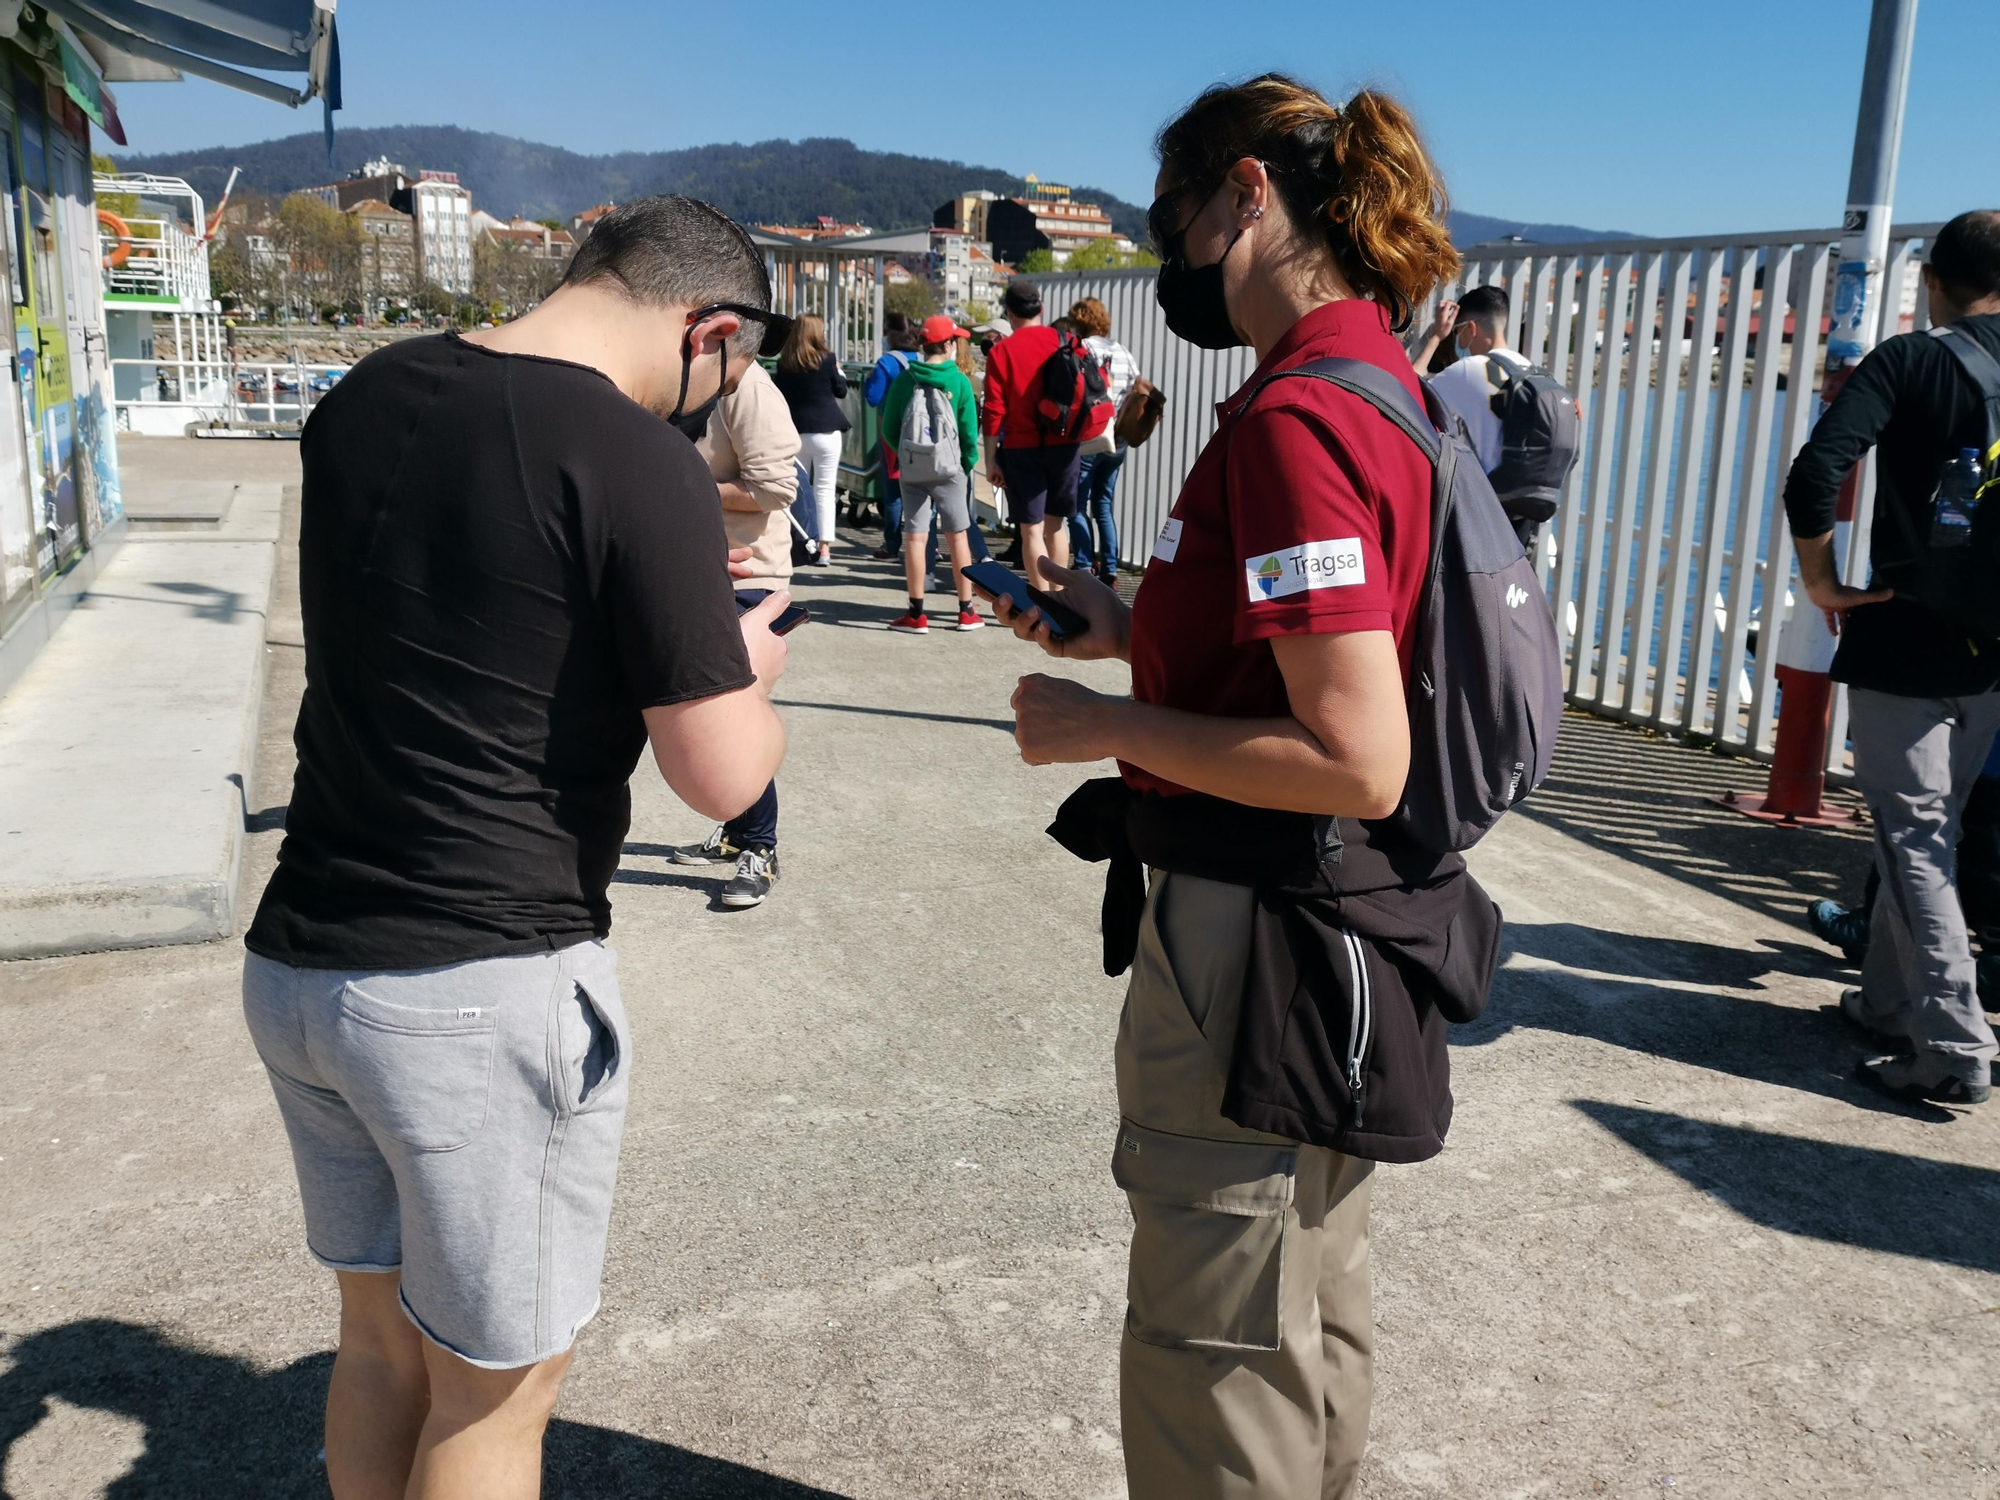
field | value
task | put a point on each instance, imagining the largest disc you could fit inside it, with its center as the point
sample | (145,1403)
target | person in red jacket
(1039,475)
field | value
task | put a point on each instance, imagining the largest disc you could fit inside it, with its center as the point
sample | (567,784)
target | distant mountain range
(770,182)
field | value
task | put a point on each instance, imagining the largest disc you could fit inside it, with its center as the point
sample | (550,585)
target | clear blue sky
(1681,118)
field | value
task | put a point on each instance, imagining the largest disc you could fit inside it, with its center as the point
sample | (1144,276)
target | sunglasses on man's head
(777,327)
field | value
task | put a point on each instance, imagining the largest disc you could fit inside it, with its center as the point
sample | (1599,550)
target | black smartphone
(998,579)
(789,620)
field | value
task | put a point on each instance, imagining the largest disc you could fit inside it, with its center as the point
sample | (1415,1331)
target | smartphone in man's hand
(788,621)
(996,579)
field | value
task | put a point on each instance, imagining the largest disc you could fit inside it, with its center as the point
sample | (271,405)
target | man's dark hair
(1965,256)
(897,332)
(1486,306)
(1022,298)
(673,251)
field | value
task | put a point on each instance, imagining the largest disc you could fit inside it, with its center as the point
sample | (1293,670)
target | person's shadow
(215,1425)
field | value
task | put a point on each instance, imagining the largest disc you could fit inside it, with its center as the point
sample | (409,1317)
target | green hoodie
(953,381)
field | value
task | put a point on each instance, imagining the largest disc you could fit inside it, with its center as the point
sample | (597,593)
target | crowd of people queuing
(429,982)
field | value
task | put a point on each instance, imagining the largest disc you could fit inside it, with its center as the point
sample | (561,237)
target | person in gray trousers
(1923,683)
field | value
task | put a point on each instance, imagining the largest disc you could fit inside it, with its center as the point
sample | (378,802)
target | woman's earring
(1257,212)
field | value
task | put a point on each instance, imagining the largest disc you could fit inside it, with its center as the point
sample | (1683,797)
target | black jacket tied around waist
(1362,949)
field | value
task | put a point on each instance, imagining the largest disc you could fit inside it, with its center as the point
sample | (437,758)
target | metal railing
(161,255)
(1686,356)
(174,393)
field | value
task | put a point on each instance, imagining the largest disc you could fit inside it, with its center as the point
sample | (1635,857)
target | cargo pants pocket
(1208,1238)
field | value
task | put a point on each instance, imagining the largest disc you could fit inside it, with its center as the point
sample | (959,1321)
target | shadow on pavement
(1636,993)
(215,1425)
(1849,1195)
(1651,801)
(1646,957)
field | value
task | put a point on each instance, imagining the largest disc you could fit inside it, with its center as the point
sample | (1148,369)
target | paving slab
(125,751)
(866,1242)
(128,746)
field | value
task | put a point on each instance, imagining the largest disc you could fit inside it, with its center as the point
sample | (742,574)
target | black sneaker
(756,870)
(716,849)
(1844,929)
(1916,1077)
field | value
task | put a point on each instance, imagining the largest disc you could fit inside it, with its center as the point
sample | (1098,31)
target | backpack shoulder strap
(1380,390)
(1984,372)
(1981,367)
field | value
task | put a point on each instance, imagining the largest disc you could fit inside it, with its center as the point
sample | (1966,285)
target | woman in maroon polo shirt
(1270,646)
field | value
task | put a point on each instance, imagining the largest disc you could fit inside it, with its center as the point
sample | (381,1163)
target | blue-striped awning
(220,39)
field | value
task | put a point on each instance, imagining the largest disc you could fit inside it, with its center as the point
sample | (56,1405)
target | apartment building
(388,252)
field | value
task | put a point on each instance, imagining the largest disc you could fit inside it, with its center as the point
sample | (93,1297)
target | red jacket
(1014,385)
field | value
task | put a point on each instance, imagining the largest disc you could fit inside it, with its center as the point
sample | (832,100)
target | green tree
(977,313)
(323,247)
(1038,260)
(911,298)
(231,276)
(1103,255)
(1100,255)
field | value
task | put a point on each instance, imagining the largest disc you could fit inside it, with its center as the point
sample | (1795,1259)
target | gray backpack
(1486,691)
(927,447)
(1541,435)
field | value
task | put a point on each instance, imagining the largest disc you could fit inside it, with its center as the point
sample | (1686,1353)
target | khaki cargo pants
(1247,1364)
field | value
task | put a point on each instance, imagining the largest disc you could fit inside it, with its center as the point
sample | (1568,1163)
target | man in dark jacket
(1923,692)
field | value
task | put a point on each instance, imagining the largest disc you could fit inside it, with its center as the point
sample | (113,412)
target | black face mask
(693,424)
(1191,296)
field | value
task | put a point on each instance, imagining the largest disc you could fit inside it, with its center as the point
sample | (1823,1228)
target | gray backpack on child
(927,447)
(1486,690)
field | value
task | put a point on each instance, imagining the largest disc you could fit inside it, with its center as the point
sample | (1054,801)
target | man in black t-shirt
(513,577)
(1923,689)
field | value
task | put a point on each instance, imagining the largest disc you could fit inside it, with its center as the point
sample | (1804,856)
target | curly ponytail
(1359,174)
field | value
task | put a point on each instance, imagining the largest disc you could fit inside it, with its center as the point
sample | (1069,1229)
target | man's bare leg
(483,1439)
(1055,547)
(379,1396)
(1034,552)
(913,562)
(960,547)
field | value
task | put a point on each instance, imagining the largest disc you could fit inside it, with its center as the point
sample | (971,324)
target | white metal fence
(1696,363)
(176,392)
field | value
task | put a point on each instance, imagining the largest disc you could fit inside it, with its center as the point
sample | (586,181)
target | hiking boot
(911,623)
(716,849)
(1920,1076)
(1855,1014)
(1844,929)
(756,869)
(969,617)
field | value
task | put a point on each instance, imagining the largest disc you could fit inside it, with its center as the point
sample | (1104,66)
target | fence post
(1805,647)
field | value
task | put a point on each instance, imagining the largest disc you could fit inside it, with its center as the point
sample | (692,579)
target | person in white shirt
(1472,387)
(1479,332)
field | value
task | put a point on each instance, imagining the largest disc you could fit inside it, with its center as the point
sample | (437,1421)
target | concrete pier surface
(867,1242)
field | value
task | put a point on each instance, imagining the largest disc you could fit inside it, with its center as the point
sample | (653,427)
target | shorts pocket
(420,1075)
(594,1044)
(1208,1238)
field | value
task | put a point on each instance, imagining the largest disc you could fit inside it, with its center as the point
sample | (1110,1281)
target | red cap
(939,329)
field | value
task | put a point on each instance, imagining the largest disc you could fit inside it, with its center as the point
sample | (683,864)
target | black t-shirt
(1911,401)
(502,560)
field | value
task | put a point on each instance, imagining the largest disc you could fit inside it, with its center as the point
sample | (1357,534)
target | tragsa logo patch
(1310,565)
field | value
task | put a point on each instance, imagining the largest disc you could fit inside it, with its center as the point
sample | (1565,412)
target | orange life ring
(122,251)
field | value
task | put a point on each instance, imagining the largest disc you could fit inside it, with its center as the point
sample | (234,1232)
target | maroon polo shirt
(1306,514)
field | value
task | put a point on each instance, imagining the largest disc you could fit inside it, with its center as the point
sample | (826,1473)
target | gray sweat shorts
(953,498)
(460,1125)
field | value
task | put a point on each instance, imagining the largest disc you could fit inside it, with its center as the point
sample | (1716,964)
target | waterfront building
(388,253)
